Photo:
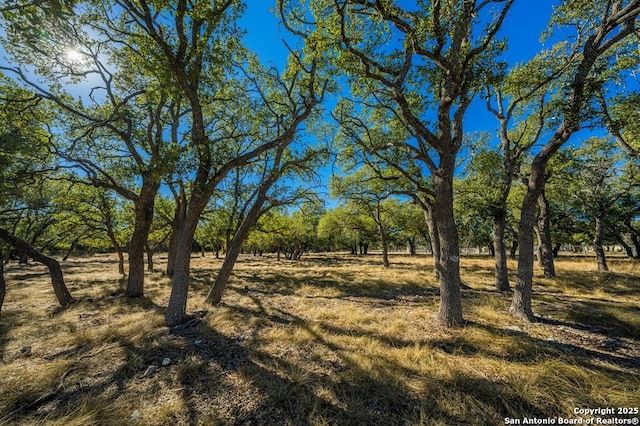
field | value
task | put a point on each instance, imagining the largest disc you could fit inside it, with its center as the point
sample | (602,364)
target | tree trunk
(412,246)
(433,236)
(538,250)
(57,279)
(176,309)
(544,226)
(179,217)
(117,247)
(521,304)
(523,291)
(74,244)
(513,251)
(235,245)
(636,244)
(383,237)
(448,261)
(143,218)
(500,250)
(556,249)
(149,251)
(627,248)
(597,245)
(3,285)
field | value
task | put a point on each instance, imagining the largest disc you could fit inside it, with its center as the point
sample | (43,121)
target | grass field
(332,339)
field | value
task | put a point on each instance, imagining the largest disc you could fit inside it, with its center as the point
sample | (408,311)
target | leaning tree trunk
(500,252)
(142,225)
(627,248)
(544,227)
(233,251)
(235,245)
(597,245)
(57,279)
(72,248)
(448,260)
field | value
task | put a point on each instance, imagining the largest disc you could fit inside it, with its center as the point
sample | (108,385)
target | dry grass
(329,340)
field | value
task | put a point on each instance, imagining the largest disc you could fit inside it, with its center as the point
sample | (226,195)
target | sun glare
(73,55)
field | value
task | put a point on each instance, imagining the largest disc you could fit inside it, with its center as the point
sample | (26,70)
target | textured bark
(448,261)
(597,245)
(135,282)
(3,285)
(500,252)
(178,218)
(57,279)
(143,218)
(544,228)
(522,294)
(176,309)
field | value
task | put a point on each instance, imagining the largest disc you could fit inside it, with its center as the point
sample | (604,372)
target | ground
(331,339)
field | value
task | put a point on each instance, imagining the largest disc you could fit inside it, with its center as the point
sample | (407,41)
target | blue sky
(526,21)
(523,26)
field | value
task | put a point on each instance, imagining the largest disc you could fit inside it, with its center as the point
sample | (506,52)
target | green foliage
(290,233)
(600,181)
(347,227)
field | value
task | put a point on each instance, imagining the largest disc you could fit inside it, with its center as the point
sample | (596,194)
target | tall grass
(329,340)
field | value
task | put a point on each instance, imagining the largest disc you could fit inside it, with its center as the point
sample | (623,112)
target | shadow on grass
(345,284)
(206,367)
(614,318)
(531,349)
(220,378)
(611,283)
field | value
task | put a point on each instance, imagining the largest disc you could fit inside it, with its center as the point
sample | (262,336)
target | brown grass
(331,339)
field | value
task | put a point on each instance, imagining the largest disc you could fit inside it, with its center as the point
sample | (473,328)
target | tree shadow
(344,284)
(232,379)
